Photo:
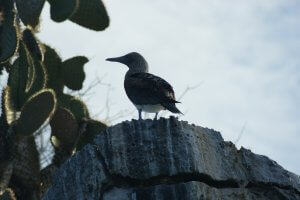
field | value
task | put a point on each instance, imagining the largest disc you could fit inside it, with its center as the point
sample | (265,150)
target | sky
(242,56)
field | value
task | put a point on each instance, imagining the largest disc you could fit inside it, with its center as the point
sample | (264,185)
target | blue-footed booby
(149,93)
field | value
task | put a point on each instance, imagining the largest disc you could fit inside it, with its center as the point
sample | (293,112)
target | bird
(148,92)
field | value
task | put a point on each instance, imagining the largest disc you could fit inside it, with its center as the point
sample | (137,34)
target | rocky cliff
(169,159)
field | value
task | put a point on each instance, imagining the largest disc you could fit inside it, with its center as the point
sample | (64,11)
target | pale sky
(244,53)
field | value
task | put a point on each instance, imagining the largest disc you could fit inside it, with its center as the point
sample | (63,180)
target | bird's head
(134,61)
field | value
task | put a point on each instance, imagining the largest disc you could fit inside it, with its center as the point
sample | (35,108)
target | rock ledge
(169,159)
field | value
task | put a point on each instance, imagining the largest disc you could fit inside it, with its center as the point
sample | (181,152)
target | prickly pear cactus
(61,10)
(35,111)
(9,36)
(32,44)
(64,129)
(8,107)
(72,72)
(53,64)
(30,11)
(91,14)
(34,94)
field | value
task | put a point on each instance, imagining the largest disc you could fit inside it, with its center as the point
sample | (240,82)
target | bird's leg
(156,114)
(140,114)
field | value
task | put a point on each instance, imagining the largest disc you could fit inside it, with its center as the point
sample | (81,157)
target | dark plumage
(147,92)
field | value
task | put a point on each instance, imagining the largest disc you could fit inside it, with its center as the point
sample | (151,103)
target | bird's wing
(146,88)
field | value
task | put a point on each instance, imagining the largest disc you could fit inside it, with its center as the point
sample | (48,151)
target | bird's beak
(117,59)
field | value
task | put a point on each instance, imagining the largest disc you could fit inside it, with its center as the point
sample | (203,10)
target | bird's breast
(150,108)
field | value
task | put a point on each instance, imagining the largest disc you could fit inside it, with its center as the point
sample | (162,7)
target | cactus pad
(17,79)
(53,64)
(26,72)
(72,72)
(9,107)
(91,14)
(40,78)
(64,129)
(8,40)
(61,10)
(30,11)
(27,76)
(35,111)
(75,105)
(79,109)
(32,44)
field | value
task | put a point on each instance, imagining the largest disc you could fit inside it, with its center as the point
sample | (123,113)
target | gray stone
(197,191)
(169,159)
(81,177)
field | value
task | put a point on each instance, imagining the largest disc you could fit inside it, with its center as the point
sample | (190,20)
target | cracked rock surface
(169,159)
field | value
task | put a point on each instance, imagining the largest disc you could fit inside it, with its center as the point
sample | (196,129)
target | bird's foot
(155,118)
(140,114)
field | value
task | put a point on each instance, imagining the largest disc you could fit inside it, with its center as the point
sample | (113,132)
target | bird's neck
(138,68)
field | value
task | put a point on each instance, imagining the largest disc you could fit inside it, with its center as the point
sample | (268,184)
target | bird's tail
(171,107)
